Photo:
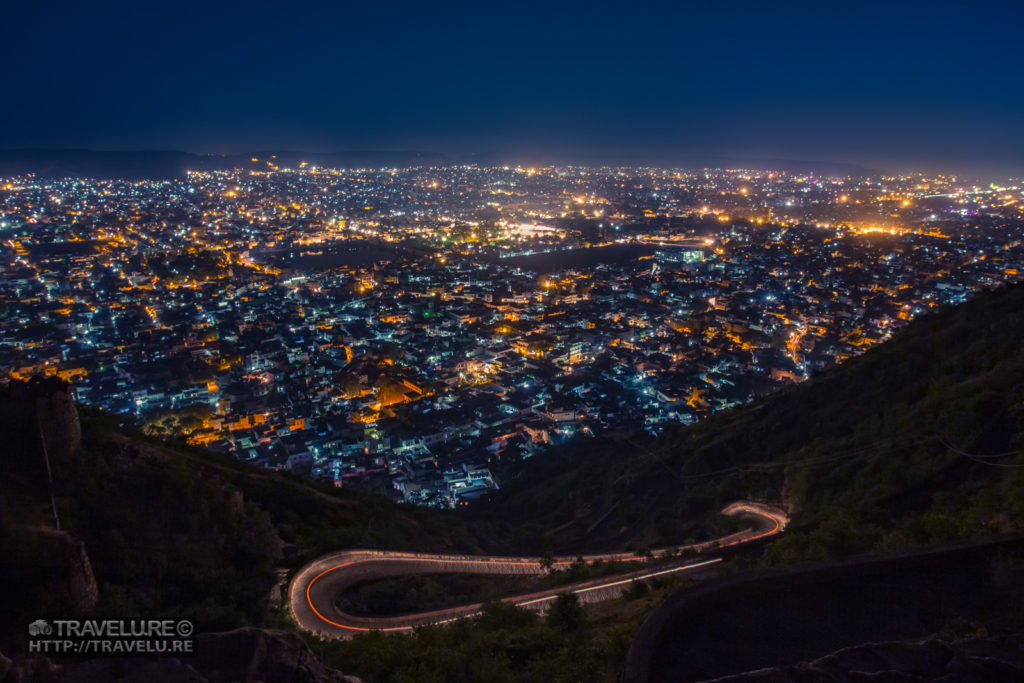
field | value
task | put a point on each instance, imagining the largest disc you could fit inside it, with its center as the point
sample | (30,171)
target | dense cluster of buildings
(417,328)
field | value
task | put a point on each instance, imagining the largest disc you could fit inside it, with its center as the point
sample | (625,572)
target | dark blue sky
(889,84)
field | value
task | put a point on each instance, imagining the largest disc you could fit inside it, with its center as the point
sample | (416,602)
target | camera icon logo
(39,627)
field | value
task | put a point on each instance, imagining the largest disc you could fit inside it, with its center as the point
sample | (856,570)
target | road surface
(314,590)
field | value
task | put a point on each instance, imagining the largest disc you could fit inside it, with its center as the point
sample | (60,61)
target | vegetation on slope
(506,643)
(916,442)
(174,531)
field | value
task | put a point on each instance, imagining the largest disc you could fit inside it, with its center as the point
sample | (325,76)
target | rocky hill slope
(918,441)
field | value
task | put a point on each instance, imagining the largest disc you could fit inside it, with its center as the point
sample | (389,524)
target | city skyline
(414,328)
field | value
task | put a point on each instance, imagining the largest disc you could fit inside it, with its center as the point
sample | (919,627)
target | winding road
(315,588)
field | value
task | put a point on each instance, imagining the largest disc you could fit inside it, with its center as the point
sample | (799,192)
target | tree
(547,561)
(392,352)
(349,384)
(566,613)
(636,590)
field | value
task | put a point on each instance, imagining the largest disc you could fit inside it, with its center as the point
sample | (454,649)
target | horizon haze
(898,88)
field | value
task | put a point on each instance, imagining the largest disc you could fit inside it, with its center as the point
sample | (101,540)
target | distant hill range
(169,164)
(827,168)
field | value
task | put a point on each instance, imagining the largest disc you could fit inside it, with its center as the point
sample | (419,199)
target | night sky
(891,85)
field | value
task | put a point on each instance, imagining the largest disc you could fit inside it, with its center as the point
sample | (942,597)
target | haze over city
(896,86)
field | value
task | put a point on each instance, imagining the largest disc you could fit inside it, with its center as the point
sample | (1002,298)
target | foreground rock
(978,659)
(775,619)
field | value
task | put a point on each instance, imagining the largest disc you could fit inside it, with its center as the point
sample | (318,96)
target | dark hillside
(147,529)
(877,453)
(780,618)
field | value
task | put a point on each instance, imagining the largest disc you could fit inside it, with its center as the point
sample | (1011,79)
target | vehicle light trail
(314,589)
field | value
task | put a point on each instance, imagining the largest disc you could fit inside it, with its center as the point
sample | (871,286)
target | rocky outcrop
(773,619)
(55,410)
(255,654)
(247,654)
(45,573)
(40,412)
(978,659)
(83,592)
